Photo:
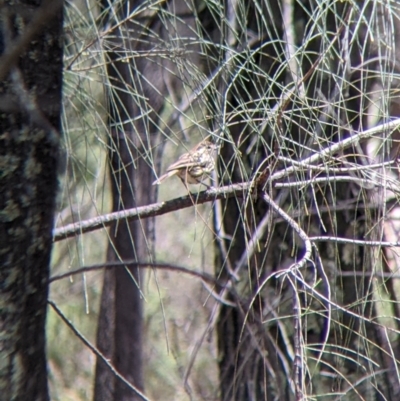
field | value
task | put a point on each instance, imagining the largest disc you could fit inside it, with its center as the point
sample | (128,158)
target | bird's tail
(161,179)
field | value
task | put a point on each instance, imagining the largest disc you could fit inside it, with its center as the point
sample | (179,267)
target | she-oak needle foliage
(294,285)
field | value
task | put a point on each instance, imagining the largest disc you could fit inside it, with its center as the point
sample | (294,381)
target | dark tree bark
(30,104)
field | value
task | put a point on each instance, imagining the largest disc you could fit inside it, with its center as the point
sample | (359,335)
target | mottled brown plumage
(194,166)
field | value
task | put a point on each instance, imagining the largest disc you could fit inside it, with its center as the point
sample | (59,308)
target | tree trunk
(30,103)
(136,96)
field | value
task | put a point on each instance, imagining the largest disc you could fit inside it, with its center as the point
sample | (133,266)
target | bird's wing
(183,162)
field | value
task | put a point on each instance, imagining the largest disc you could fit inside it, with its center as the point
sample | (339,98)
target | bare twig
(363,182)
(142,212)
(96,351)
(340,146)
(357,242)
(132,263)
(307,254)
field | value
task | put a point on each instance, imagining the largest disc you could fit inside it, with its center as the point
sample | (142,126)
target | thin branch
(368,274)
(350,241)
(290,46)
(133,263)
(96,351)
(323,169)
(156,209)
(307,255)
(298,362)
(340,146)
(221,235)
(362,182)
(252,244)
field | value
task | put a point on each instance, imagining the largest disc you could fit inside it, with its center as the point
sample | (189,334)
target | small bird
(194,166)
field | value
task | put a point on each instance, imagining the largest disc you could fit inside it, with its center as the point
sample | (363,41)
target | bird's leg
(185,184)
(209,187)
